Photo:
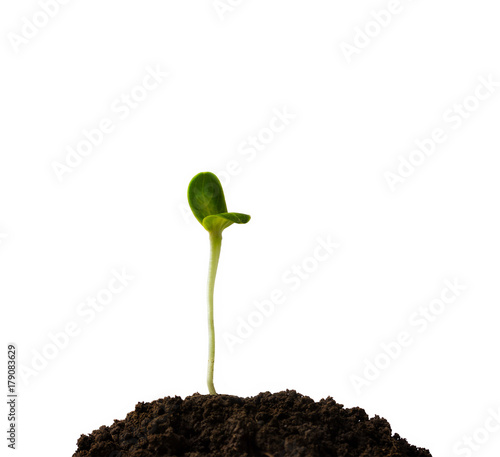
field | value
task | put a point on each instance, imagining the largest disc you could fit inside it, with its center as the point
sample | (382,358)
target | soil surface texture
(284,424)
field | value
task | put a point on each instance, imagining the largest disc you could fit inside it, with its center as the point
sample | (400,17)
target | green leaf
(205,196)
(219,222)
(206,199)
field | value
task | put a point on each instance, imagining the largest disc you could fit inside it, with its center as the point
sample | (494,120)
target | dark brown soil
(268,425)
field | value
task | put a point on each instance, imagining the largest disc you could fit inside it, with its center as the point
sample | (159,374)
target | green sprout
(206,199)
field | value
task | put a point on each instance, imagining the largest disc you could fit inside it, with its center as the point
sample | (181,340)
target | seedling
(206,199)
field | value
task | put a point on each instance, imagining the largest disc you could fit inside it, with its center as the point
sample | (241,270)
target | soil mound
(284,424)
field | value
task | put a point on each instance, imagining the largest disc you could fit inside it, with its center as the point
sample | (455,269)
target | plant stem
(215,245)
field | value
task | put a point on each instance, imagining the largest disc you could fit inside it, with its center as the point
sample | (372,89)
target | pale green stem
(215,245)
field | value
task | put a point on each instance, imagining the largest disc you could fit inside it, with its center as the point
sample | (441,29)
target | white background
(324,175)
